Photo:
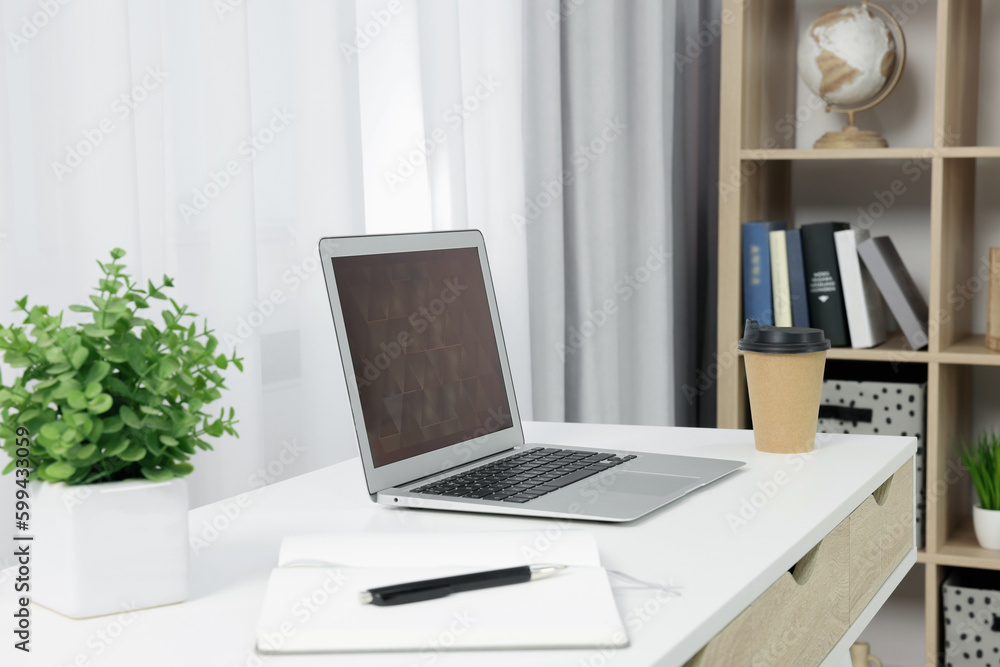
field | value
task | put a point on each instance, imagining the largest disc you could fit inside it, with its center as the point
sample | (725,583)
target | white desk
(691,542)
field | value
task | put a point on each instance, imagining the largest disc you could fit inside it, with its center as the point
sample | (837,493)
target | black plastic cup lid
(782,340)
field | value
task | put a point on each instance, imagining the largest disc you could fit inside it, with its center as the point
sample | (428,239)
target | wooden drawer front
(799,619)
(881,534)
(794,622)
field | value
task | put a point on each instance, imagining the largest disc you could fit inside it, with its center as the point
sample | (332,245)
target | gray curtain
(617,277)
(696,200)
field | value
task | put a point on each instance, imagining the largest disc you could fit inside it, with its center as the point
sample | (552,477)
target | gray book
(898,289)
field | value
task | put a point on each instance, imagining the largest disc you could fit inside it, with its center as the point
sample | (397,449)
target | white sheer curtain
(216,142)
(441,109)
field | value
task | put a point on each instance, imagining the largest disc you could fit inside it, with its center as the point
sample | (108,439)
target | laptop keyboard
(524,476)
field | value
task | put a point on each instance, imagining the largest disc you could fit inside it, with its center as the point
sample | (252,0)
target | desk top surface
(723,545)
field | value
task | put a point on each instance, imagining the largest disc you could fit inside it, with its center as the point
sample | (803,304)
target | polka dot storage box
(877,406)
(970,607)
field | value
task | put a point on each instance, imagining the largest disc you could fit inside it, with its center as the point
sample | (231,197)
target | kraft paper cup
(784,368)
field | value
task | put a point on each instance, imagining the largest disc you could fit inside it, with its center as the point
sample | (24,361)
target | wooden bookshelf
(758,78)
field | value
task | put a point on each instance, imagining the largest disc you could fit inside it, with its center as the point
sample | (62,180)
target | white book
(781,292)
(573,608)
(865,309)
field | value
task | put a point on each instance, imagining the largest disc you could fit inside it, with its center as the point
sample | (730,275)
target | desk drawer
(799,619)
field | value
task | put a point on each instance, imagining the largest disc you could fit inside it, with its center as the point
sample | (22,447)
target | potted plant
(982,459)
(100,426)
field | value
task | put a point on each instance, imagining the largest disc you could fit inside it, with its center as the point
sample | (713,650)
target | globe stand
(851,137)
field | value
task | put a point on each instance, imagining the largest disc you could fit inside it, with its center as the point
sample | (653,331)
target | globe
(848,57)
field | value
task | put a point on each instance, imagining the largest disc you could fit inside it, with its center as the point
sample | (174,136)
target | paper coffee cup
(785,379)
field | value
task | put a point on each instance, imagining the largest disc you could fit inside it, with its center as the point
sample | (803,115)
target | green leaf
(112,424)
(168,367)
(181,469)
(50,431)
(117,304)
(94,331)
(101,404)
(156,475)
(59,470)
(129,417)
(52,370)
(10,467)
(65,388)
(86,451)
(215,429)
(222,362)
(169,441)
(77,400)
(81,309)
(79,357)
(117,448)
(92,390)
(118,355)
(55,355)
(133,453)
(98,371)
(117,253)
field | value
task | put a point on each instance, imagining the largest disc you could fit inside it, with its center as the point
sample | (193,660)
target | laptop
(433,403)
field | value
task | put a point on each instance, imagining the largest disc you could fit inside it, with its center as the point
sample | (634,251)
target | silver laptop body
(431,392)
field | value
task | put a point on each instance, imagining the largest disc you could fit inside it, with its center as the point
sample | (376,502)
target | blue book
(757,270)
(797,278)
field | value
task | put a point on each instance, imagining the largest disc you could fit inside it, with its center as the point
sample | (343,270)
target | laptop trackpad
(644,483)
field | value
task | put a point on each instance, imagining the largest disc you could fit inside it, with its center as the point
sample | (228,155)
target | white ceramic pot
(987,526)
(105,548)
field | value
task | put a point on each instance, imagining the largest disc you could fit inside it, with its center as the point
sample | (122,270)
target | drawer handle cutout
(881,494)
(803,570)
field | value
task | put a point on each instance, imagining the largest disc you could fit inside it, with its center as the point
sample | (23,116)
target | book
(797,279)
(757,303)
(896,284)
(572,609)
(826,299)
(781,297)
(865,310)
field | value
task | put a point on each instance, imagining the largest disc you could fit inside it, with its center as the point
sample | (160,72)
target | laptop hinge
(454,468)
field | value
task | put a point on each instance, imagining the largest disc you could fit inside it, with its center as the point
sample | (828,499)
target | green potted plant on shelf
(100,425)
(982,459)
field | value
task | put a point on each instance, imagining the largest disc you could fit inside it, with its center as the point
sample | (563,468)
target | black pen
(431,589)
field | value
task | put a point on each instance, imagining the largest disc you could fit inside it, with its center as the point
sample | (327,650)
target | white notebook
(311,606)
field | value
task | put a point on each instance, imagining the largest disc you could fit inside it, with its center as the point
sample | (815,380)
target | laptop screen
(424,350)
